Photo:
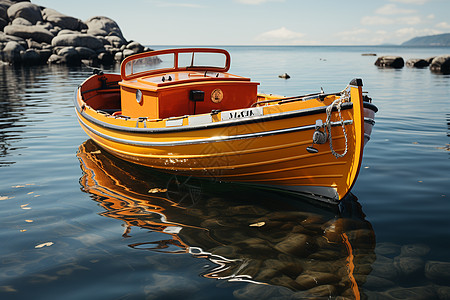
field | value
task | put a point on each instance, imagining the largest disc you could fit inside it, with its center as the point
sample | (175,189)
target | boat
(181,111)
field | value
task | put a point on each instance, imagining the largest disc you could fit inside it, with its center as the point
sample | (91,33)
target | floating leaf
(30,193)
(259,224)
(5,198)
(157,190)
(29,221)
(35,196)
(47,244)
(22,230)
(18,186)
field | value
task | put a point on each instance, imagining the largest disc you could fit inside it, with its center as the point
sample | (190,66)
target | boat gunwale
(264,118)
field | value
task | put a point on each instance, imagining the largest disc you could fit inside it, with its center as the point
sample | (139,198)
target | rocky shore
(35,35)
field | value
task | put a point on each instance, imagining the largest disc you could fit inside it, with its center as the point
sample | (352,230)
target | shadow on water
(276,241)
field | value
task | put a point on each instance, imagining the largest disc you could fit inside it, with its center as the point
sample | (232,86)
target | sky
(266,22)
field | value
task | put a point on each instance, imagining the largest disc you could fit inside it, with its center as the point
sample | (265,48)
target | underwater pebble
(409,266)
(376,283)
(300,245)
(387,249)
(438,272)
(416,293)
(415,250)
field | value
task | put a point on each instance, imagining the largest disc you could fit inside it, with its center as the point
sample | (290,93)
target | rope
(337,103)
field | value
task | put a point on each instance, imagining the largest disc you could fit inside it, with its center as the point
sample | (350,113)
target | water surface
(76,222)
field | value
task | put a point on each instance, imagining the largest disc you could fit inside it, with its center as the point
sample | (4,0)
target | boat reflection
(249,235)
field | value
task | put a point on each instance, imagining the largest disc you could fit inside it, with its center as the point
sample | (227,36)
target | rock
(118,56)
(441,64)
(310,280)
(327,291)
(67,31)
(21,21)
(300,245)
(115,41)
(390,62)
(443,292)
(430,59)
(103,26)
(86,53)
(58,19)
(69,56)
(387,249)
(416,293)
(377,283)
(30,57)
(26,10)
(409,266)
(384,268)
(415,250)
(3,23)
(36,32)
(136,47)
(105,58)
(77,40)
(284,76)
(127,52)
(438,272)
(44,55)
(417,63)
(11,52)
(4,38)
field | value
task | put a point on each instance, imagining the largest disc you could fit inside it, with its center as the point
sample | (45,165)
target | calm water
(78,223)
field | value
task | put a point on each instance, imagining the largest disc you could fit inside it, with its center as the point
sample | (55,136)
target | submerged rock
(417,63)
(441,64)
(438,272)
(396,62)
(284,76)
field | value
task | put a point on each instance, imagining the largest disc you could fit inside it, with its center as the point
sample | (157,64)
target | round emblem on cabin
(216,96)
(138,96)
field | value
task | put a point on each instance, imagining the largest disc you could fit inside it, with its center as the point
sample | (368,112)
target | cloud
(282,36)
(376,20)
(404,34)
(418,2)
(256,2)
(443,25)
(392,9)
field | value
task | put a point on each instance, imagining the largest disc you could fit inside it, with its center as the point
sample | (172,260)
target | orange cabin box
(185,93)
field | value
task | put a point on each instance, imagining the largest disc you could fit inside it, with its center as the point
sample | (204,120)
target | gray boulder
(30,57)
(11,52)
(6,38)
(26,10)
(103,26)
(441,64)
(396,62)
(86,53)
(21,21)
(67,31)
(417,63)
(115,41)
(36,32)
(58,19)
(135,47)
(77,40)
(3,23)
(67,55)
(44,55)
(105,58)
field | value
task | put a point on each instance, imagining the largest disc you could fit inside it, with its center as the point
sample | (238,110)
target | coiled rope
(345,96)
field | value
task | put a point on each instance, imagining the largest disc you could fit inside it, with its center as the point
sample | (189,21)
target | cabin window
(143,64)
(202,59)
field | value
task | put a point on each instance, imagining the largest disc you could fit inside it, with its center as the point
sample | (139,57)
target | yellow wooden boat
(180,111)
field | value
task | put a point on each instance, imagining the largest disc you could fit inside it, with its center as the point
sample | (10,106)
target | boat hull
(266,146)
